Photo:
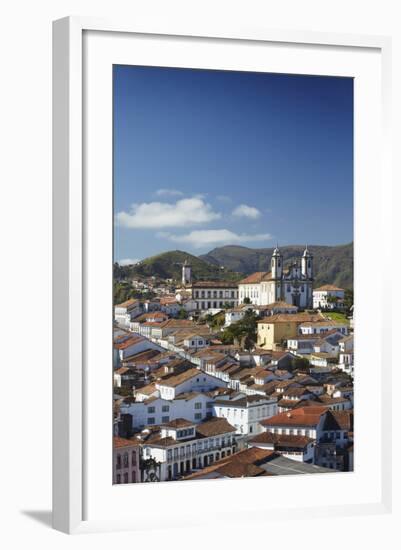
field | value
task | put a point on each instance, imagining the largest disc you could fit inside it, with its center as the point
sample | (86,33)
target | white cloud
(245,211)
(128,261)
(184,212)
(166,192)
(208,237)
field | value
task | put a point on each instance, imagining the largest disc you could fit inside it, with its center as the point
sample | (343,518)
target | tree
(348,299)
(247,300)
(300,363)
(182,314)
(244,331)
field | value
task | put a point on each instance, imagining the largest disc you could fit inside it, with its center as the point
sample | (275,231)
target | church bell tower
(307,264)
(186,273)
(277,264)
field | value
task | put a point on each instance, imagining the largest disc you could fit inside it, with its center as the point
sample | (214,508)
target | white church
(293,285)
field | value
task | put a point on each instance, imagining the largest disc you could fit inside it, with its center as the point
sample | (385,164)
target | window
(151,409)
(133,476)
(198,416)
(165,408)
(176,453)
(118,462)
(133,458)
(125,460)
(151,420)
(165,419)
(169,454)
(118,478)
(198,405)
(126,477)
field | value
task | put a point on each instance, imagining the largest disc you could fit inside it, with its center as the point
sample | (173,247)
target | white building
(307,421)
(188,381)
(214,294)
(295,447)
(245,412)
(132,345)
(184,447)
(328,297)
(153,411)
(321,326)
(236,314)
(346,355)
(292,286)
(126,311)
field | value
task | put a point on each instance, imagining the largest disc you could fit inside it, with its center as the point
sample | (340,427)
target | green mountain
(332,264)
(168,265)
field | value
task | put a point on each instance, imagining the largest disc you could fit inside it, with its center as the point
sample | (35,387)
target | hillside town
(224,379)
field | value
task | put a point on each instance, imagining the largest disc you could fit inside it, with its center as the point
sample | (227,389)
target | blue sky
(208,158)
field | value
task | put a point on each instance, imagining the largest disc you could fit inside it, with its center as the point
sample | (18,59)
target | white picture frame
(71,226)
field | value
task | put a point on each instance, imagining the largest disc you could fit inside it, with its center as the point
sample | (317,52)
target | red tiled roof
(127,303)
(282,440)
(305,416)
(128,342)
(214,426)
(119,442)
(254,278)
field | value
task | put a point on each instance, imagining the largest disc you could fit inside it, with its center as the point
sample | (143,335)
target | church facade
(293,285)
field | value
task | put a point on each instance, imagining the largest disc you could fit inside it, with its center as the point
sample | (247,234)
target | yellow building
(274,330)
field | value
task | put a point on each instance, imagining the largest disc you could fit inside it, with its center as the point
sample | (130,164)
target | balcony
(198,452)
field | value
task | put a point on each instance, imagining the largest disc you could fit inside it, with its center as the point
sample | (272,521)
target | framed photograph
(220,205)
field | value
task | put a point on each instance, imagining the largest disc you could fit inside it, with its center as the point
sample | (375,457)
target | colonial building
(214,294)
(126,311)
(328,297)
(194,406)
(126,459)
(292,285)
(276,330)
(245,412)
(295,447)
(183,447)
